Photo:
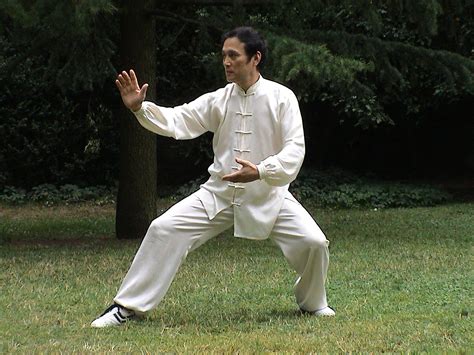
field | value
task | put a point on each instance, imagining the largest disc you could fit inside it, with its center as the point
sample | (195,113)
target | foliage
(74,38)
(49,195)
(57,123)
(188,188)
(340,189)
(395,46)
(314,72)
(332,188)
(188,65)
(423,79)
(51,138)
(440,24)
(376,66)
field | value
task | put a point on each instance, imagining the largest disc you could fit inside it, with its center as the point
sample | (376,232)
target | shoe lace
(119,308)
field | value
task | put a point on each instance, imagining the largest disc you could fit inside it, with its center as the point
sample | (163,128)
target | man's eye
(230,55)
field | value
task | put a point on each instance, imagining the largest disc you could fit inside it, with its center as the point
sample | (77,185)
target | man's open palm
(132,94)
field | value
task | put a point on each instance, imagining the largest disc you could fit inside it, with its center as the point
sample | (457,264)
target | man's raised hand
(132,94)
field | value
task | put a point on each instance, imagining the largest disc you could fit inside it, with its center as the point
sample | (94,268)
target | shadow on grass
(223,319)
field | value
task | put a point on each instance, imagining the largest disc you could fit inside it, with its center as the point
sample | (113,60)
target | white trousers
(186,226)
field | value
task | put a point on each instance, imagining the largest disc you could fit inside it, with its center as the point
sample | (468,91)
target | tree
(137,194)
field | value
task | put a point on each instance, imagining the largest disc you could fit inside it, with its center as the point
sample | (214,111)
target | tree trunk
(137,192)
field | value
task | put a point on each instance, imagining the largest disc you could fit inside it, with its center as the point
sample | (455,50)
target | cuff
(261,171)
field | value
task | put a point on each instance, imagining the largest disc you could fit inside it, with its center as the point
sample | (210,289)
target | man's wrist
(137,108)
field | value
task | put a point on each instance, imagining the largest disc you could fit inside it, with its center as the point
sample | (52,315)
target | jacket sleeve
(181,122)
(282,168)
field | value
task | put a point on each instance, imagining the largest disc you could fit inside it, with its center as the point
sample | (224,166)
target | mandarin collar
(251,90)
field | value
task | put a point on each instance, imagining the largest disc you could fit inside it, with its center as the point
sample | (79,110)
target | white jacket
(262,125)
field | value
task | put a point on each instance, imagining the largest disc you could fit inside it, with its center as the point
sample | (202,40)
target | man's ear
(257,57)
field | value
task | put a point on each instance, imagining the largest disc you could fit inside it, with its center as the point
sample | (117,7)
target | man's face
(239,68)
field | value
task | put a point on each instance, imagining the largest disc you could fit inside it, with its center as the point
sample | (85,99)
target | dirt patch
(70,242)
(61,241)
(35,211)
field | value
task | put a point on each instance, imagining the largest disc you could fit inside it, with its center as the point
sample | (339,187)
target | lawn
(400,280)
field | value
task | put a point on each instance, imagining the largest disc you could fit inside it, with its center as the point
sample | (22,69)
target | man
(258,149)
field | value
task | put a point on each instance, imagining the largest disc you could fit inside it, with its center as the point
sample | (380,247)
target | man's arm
(282,168)
(181,122)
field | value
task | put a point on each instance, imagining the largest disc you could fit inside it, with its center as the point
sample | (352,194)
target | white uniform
(262,125)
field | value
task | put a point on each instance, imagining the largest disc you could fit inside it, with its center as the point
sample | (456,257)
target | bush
(188,188)
(50,137)
(341,189)
(334,188)
(49,194)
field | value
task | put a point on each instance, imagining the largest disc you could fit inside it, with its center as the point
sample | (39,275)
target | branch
(170,16)
(38,45)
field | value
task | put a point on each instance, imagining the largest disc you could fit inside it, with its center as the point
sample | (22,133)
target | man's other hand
(247,173)
(132,94)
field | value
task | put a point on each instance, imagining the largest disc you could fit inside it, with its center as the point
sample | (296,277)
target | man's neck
(252,80)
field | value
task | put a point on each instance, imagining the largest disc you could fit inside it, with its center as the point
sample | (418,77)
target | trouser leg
(306,249)
(169,239)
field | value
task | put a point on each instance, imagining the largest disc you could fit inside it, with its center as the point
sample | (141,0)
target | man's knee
(160,227)
(317,240)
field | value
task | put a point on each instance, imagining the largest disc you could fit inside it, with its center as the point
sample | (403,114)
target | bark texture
(137,193)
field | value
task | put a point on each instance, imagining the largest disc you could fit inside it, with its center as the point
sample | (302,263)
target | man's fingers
(143,90)
(247,173)
(237,176)
(126,77)
(121,80)
(246,163)
(119,84)
(132,94)
(229,177)
(133,78)
(243,162)
(127,83)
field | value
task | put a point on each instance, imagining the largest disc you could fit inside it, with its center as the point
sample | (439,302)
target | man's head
(253,43)
(243,53)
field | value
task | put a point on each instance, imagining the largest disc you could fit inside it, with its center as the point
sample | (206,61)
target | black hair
(252,40)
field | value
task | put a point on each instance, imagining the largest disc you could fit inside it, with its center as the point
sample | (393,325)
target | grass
(400,280)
